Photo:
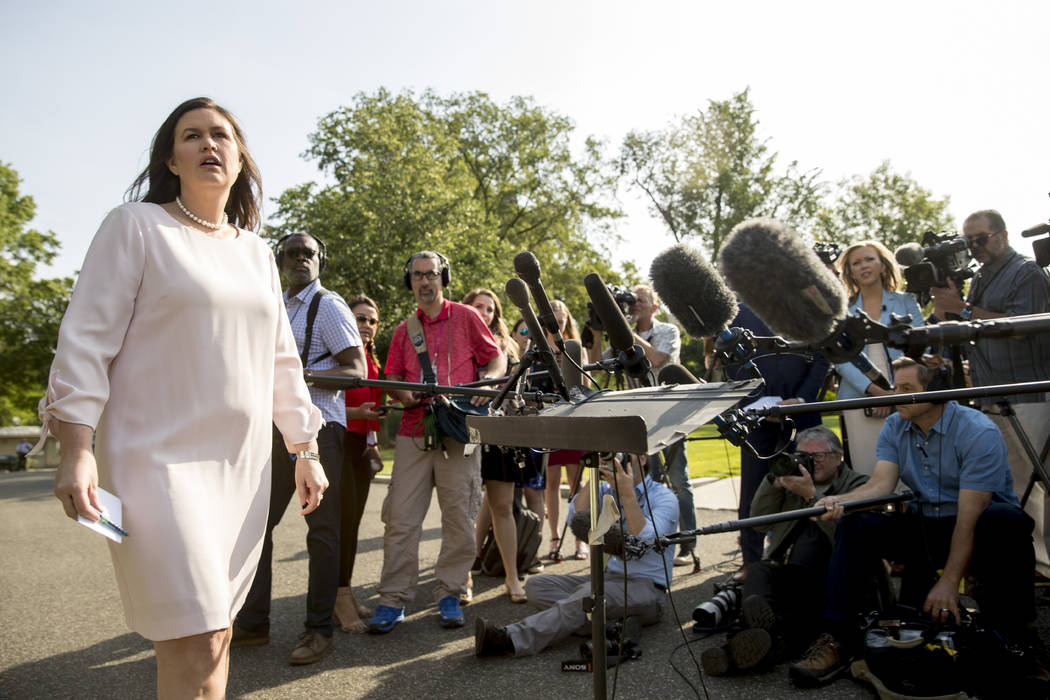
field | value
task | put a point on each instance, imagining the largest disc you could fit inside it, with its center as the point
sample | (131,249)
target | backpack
(529,536)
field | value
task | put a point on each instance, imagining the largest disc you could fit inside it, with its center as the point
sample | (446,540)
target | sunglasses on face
(980,240)
(367,320)
(307,253)
(429,275)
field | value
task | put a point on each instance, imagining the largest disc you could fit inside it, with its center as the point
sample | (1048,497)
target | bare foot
(362,612)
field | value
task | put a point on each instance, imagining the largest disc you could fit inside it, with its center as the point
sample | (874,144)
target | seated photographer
(784,594)
(965,519)
(645,579)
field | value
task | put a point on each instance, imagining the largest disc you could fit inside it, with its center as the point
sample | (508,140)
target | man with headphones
(329,345)
(965,519)
(451,344)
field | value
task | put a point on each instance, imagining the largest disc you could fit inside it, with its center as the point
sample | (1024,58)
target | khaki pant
(458,482)
(1035,418)
(562,597)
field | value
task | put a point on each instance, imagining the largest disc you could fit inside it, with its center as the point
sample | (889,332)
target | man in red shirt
(461,349)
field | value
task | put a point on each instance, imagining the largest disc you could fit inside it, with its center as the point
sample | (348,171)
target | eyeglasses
(307,253)
(523,330)
(980,240)
(368,320)
(819,456)
(429,275)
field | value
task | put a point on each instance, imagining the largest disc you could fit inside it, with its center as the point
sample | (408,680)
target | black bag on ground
(529,536)
(914,657)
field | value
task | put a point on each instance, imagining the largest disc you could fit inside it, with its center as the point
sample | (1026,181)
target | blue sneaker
(385,619)
(450,613)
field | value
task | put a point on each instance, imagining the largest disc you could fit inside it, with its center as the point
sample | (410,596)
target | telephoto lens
(723,607)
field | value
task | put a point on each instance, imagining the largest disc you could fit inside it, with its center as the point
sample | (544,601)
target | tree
(32,309)
(885,206)
(710,171)
(463,175)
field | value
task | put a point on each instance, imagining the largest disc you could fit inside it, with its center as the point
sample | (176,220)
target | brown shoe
(821,663)
(313,646)
(490,640)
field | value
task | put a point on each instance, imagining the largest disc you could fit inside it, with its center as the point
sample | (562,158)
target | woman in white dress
(175,354)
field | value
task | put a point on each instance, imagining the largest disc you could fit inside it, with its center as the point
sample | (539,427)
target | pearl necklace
(197,219)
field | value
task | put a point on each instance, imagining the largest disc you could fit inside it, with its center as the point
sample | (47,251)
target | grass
(712,457)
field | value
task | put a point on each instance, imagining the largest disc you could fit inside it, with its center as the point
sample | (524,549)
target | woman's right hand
(76,484)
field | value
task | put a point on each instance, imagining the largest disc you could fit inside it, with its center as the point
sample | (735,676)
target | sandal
(581,554)
(555,553)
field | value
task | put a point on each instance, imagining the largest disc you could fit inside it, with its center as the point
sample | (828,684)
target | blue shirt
(661,520)
(335,330)
(963,450)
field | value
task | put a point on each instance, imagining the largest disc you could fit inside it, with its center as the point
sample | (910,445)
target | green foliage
(473,179)
(710,171)
(885,206)
(32,309)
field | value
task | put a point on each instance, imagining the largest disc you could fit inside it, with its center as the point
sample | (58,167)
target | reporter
(361,462)
(500,469)
(872,279)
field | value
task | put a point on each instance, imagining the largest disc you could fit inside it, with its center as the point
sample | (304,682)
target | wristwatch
(307,454)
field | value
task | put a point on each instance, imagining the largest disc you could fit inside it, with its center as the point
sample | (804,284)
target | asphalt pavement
(64,634)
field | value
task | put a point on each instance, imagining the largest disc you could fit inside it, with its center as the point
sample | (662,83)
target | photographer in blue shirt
(965,519)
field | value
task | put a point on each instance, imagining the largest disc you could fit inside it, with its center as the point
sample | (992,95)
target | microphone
(621,337)
(528,269)
(518,293)
(570,363)
(783,281)
(676,374)
(912,253)
(1035,231)
(909,254)
(692,290)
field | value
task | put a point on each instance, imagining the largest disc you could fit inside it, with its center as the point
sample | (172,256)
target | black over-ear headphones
(322,250)
(446,270)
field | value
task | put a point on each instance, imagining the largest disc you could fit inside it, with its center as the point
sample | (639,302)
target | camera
(723,607)
(945,256)
(623,297)
(621,641)
(828,253)
(789,463)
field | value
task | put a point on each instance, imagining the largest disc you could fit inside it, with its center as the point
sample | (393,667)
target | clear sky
(954,93)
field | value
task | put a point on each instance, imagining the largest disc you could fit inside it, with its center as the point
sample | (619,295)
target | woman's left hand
(310,484)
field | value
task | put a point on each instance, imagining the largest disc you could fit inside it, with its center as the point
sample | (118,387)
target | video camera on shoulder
(789,464)
(624,299)
(941,257)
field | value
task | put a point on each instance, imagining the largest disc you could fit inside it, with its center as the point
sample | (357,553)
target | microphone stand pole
(733,525)
(596,602)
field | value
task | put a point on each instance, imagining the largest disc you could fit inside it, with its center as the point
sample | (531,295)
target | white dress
(177,349)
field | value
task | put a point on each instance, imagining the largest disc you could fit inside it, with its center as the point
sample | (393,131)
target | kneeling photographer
(633,587)
(965,519)
(784,593)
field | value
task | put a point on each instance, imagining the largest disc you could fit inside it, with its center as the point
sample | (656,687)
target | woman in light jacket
(872,278)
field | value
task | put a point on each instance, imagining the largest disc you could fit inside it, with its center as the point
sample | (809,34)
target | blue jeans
(675,466)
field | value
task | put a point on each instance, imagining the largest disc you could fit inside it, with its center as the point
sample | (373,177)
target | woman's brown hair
(163,186)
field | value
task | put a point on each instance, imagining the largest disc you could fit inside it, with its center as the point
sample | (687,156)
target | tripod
(1006,410)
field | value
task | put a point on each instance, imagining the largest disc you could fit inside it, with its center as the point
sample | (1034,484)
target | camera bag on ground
(907,655)
(529,535)
(449,412)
